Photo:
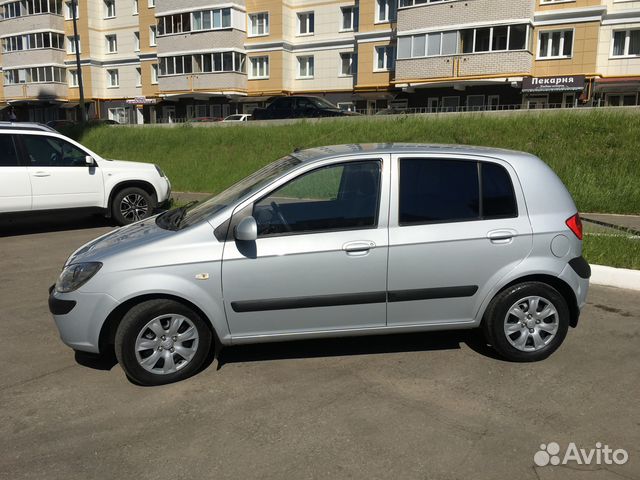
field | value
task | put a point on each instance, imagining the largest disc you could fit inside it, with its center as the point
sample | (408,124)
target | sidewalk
(630,223)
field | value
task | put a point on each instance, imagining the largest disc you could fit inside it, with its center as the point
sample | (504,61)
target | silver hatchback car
(336,241)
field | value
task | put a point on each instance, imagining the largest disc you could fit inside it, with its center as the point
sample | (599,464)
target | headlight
(76,275)
(160,172)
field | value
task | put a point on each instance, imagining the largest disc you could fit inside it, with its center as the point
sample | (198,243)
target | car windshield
(255,181)
(234,117)
(321,102)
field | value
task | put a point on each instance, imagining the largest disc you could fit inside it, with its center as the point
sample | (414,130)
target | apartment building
(148,61)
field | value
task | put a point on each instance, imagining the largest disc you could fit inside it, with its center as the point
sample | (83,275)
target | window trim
(309,32)
(626,46)
(267,30)
(561,46)
(299,75)
(379,160)
(250,75)
(479,163)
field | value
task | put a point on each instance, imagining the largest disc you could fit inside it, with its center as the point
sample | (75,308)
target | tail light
(575,225)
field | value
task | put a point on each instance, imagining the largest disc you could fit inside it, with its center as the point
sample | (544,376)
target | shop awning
(3,106)
(69,105)
(618,84)
(253,99)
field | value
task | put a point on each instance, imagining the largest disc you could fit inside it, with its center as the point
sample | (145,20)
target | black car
(299,107)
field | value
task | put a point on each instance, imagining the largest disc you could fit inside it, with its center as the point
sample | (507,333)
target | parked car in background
(297,106)
(238,117)
(40,170)
(60,124)
(336,241)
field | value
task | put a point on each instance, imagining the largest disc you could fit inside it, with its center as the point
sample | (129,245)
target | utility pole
(74,11)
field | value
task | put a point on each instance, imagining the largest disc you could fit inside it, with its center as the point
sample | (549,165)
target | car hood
(120,240)
(126,164)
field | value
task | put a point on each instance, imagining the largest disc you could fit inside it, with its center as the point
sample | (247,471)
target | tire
(132,204)
(521,329)
(148,345)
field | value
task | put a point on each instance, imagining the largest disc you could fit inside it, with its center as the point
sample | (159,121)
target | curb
(615,277)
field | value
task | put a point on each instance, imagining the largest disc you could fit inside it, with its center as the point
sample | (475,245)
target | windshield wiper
(173,218)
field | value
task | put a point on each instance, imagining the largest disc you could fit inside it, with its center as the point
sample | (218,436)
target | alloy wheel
(531,323)
(134,207)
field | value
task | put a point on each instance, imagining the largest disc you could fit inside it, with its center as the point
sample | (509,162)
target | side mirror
(246,230)
(90,161)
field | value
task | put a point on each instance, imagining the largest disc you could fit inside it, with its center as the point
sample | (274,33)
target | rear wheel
(131,204)
(161,341)
(527,322)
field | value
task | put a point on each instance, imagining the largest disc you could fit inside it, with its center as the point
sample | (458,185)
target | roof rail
(26,126)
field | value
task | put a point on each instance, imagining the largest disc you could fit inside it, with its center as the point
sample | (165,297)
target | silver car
(336,241)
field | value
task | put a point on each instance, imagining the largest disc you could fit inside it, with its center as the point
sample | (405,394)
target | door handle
(359,247)
(501,236)
(42,174)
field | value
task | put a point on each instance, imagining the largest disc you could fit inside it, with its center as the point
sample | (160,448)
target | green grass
(615,251)
(595,153)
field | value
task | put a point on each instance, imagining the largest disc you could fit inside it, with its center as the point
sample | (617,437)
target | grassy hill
(597,153)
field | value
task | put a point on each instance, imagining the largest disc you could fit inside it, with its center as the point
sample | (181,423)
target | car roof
(320,153)
(26,126)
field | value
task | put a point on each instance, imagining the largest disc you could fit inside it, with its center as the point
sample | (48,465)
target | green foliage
(595,153)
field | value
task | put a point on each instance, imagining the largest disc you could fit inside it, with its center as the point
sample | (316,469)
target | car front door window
(333,198)
(46,151)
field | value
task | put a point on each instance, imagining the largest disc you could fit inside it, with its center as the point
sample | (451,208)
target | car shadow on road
(31,223)
(366,345)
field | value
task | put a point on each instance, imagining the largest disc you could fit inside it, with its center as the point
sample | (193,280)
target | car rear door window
(498,197)
(436,190)
(45,151)
(8,151)
(446,190)
(337,197)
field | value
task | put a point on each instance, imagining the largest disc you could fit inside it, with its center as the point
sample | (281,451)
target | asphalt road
(435,406)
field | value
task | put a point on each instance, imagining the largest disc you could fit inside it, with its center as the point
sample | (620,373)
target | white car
(41,169)
(238,117)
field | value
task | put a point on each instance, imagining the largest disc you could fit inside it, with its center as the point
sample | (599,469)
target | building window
(194,21)
(259,67)
(555,44)
(305,66)
(626,43)
(30,7)
(73,78)
(112,43)
(349,18)
(68,11)
(135,7)
(152,36)
(151,3)
(71,45)
(46,74)
(258,24)
(113,78)
(385,58)
(203,63)
(348,64)
(154,74)
(33,41)
(385,11)
(118,114)
(109,8)
(136,41)
(306,23)
(138,77)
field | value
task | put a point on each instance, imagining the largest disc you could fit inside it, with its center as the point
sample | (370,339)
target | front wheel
(527,322)
(131,204)
(161,341)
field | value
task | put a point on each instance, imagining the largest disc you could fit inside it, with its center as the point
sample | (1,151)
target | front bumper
(79,317)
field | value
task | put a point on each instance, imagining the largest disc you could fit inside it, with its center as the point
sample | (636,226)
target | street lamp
(74,15)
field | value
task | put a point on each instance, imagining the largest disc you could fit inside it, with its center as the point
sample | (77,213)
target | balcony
(204,82)
(32,23)
(40,56)
(36,91)
(458,12)
(459,66)
(165,6)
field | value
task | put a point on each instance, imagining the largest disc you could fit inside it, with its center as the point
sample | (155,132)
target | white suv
(41,169)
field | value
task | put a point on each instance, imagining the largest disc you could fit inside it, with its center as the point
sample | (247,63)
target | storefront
(617,92)
(565,91)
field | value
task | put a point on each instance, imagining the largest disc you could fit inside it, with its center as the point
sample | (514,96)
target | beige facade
(351,51)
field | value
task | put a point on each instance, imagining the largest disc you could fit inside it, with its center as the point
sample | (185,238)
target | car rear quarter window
(8,152)
(438,190)
(498,197)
